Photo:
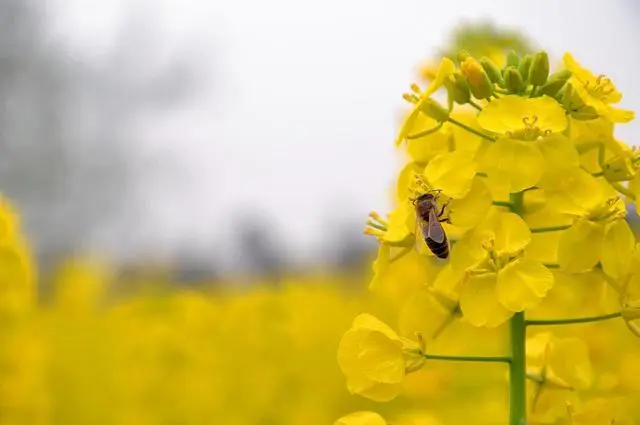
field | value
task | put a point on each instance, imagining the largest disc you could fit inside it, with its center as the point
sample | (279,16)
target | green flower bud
(433,109)
(584,113)
(524,66)
(463,55)
(555,83)
(459,89)
(513,59)
(492,70)
(479,82)
(513,80)
(539,71)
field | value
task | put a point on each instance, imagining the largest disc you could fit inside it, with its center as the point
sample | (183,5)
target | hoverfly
(429,219)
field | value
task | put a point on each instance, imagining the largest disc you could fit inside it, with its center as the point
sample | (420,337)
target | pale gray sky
(306,98)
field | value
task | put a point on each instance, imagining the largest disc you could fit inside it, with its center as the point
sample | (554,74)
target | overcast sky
(303,113)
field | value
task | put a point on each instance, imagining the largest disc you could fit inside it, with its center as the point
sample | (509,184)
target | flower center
(612,209)
(599,88)
(530,129)
(494,261)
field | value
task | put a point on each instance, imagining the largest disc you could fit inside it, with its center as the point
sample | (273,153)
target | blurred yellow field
(522,194)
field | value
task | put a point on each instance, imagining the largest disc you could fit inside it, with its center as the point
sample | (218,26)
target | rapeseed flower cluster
(533,187)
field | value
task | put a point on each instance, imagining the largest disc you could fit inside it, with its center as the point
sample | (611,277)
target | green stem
(517,339)
(472,130)
(533,91)
(517,371)
(590,319)
(475,105)
(425,132)
(502,204)
(496,359)
(550,229)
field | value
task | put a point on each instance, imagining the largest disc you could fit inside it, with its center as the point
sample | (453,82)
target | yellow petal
(576,69)
(452,173)
(617,249)
(503,115)
(424,314)
(479,302)
(406,181)
(467,252)
(558,152)
(569,360)
(361,418)
(522,284)
(512,234)
(537,350)
(375,391)
(618,115)
(448,280)
(445,70)
(543,247)
(381,360)
(516,163)
(424,149)
(468,211)
(398,280)
(507,114)
(571,191)
(372,323)
(464,139)
(580,247)
(399,230)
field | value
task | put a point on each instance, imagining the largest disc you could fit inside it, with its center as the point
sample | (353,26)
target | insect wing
(435,232)
(421,230)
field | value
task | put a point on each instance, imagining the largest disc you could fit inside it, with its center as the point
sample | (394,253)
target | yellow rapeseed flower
(375,359)
(556,367)
(598,92)
(499,280)
(530,140)
(421,100)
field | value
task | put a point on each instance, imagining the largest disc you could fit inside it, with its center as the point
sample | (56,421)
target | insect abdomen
(439,249)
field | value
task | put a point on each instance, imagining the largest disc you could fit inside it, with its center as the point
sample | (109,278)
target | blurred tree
(261,251)
(65,123)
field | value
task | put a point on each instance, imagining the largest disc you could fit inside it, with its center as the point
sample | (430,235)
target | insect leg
(444,206)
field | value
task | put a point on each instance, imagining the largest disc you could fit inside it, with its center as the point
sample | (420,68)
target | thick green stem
(518,336)
(499,359)
(550,322)
(517,371)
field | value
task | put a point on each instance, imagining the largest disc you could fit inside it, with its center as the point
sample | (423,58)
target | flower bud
(555,83)
(619,169)
(463,55)
(524,66)
(513,80)
(584,113)
(433,109)
(513,59)
(459,89)
(492,70)
(479,82)
(539,70)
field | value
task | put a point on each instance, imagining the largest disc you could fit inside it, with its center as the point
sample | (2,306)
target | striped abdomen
(439,249)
